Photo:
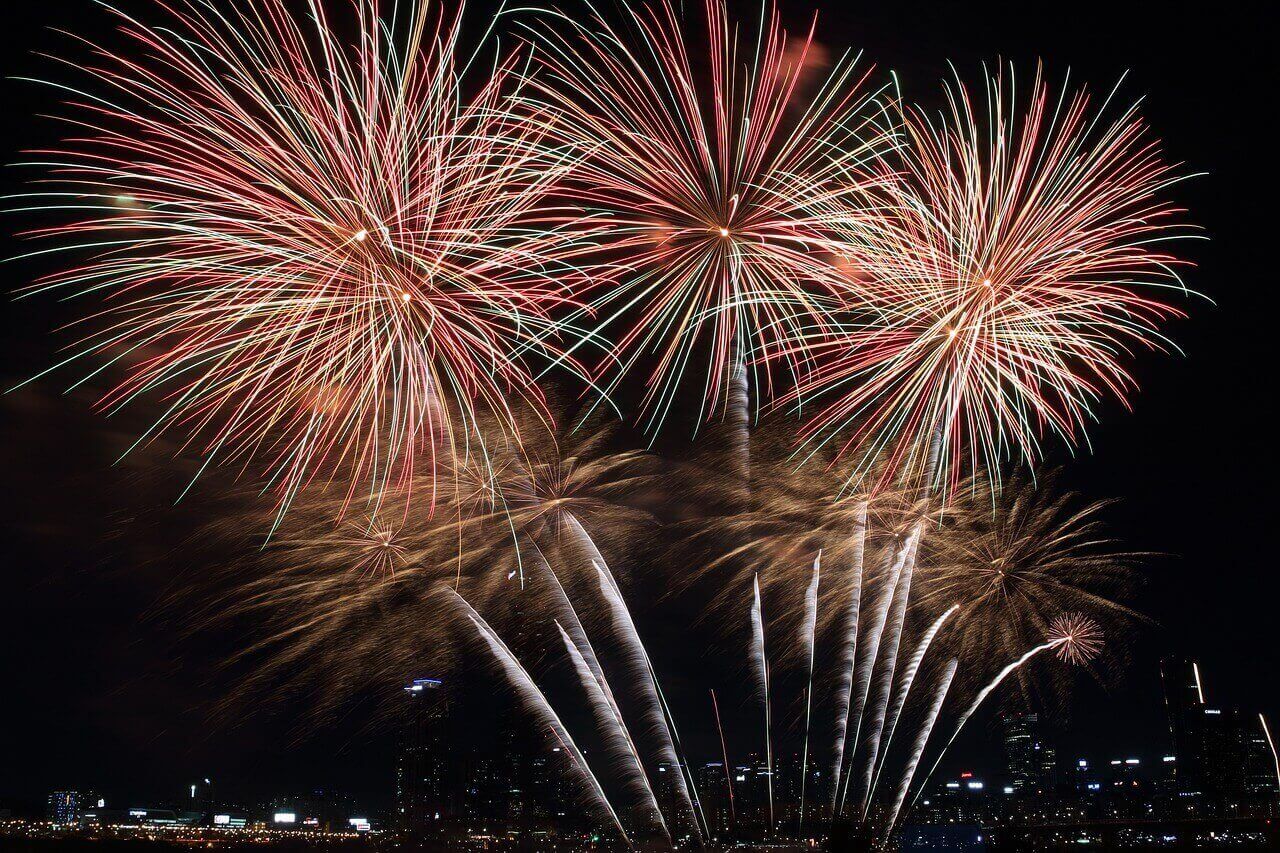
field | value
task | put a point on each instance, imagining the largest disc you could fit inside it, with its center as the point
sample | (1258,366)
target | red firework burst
(318,253)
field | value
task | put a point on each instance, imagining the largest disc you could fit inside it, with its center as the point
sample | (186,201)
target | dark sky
(96,690)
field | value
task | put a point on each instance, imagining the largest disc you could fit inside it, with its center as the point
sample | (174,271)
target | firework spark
(1017,266)
(1079,638)
(332,259)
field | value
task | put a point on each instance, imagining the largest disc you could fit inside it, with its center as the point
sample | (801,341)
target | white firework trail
(617,741)
(762,672)
(807,637)
(738,415)
(1266,730)
(608,715)
(537,703)
(658,716)
(904,689)
(977,702)
(922,738)
(889,656)
(849,653)
(865,665)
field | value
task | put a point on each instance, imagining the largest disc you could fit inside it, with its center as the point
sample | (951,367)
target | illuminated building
(1031,760)
(424,798)
(1208,741)
(68,807)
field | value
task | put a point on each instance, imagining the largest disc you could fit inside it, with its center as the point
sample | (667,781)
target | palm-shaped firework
(317,252)
(714,196)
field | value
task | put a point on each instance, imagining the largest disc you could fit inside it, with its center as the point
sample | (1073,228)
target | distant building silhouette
(425,798)
(1220,755)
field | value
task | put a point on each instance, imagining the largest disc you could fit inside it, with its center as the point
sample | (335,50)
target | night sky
(99,691)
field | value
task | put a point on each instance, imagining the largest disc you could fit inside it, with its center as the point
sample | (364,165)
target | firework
(904,692)
(1017,266)
(1074,638)
(761,661)
(1275,757)
(922,739)
(1016,565)
(608,715)
(1079,638)
(724,757)
(715,200)
(528,492)
(331,259)
(658,715)
(849,650)
(537,702)
(808,640)
(888,661)
(865,668)
(981,697)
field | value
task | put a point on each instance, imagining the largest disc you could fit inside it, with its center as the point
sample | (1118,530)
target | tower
(1208,746)
(424,795)
(1031,759)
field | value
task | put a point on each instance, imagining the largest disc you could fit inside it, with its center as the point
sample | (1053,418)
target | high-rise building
(1259,764)
(1031,759)
(714,788)
(424,791)
(1209,742)
(68,807)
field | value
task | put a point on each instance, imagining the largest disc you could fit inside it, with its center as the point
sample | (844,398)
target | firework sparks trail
(608,714)
(866,664)
(658,716)
(738,417)
(537,703)
(889,655)
(922,738)
(724,755)
(904,689)
(1018,265)
(979,699)
(807,637)
(319,254)
(1266,730)
(762,673)
(717,204)
(618,741)
(849,652)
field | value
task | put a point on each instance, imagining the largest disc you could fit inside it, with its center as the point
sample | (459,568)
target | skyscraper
(424,795)
(1209,744)
(1259,765)
(1031,759)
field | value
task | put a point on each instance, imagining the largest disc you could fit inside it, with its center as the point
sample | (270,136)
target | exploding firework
(1017,266)
(1016,565)
(526,494)
(317,253)
(715,198)
(1079,638)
